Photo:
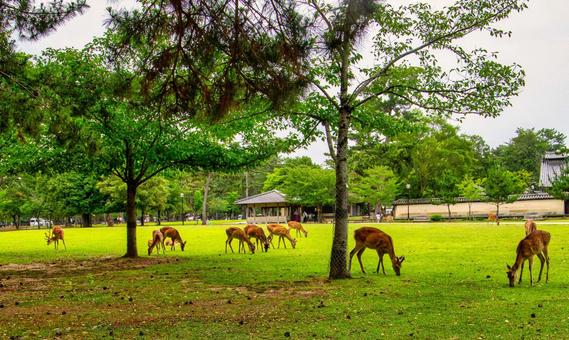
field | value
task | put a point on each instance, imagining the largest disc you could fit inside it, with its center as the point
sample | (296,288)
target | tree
(525,150)
(406,67)
(503,186)
(472,190)
(447,191)
(378,186)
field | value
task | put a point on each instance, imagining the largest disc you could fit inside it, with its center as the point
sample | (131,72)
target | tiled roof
(551,166)
(273,196)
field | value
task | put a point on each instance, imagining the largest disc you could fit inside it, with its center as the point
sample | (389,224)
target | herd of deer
(535,243)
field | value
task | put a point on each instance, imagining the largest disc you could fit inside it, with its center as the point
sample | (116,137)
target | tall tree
(378,186)
(472,190)
(406,47)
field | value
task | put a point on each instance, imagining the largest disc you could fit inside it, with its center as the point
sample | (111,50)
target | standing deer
(270,228)
(174,235)
(56,235)
(282,233)
(298,227)
(157,241)
(373,238)
(530,227)
(533,244)
(494,218)
(233,232)
(259,234)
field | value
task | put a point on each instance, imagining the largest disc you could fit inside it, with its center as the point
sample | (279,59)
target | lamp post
(182,204)
(408,187)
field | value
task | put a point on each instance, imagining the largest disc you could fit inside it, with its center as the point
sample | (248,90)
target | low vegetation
(453,284)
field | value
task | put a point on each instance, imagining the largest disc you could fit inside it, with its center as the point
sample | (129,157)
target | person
(296,216)
(304,217)
(378,216)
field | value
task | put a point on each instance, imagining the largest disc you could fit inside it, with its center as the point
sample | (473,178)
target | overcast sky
(539,42)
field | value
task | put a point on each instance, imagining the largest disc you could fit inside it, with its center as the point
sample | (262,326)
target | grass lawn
(452,285)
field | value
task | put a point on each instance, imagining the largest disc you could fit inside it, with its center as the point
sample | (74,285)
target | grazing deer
(373,238)
(157,241)
(494,218)
(270,228)
(388,218)
(282,233)
(530,227)
(233,232)
(259,234)
(174,235)
(533,244)
(298,227)
(56,235)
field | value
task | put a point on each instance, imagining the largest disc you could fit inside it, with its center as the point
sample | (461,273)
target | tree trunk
(338,260)
(449,215)
(470,211)
(85,220)
(131,250)
(497,213)
(109,220)
(205,193)
(159,217)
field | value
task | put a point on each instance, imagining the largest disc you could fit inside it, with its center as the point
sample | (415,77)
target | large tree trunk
(338,263)
(85,220)
(205,193)
(131,250)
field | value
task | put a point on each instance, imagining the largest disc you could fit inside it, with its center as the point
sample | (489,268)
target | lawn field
(453,284)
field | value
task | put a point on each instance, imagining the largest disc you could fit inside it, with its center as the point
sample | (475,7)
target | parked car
(39,222)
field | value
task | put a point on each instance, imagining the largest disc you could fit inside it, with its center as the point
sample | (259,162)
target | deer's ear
(401,259)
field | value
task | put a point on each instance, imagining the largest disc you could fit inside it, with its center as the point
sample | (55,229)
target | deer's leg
(530,264)
(521,272)
(270,239)
(546,255)
(360,252)
(284,241)
(64,246)
(542,261)
(352,253)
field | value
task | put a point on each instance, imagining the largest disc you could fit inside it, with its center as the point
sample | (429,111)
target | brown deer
(174,235)
(56,235)
(494,218)
(259,234)
(157,241)
(373,238)
(270,228)
(233,232)
(530,227)
(282,233)
(388,218)
(298,227)
(533,244)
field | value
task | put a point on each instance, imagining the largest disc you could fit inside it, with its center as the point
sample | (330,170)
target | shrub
(436,218)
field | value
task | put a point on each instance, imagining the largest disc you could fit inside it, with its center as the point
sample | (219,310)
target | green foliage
(503,186)
(526,149)
(378,185)
(436,218)
(471,188)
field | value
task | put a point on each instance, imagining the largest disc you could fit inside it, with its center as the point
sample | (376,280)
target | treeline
(430,160)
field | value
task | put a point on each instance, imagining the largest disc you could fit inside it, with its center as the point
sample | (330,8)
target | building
(551,166)
(266,207)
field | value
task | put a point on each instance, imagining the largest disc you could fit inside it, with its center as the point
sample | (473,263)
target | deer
(259,234)
(533,244)
(174,235)
(282,233)
(157,241)
(388,218)
(56,235)
(373,238)
(234,232)
(530,226)
(494,218)
(298,227)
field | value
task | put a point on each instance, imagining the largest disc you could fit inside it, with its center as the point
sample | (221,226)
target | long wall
(545,207)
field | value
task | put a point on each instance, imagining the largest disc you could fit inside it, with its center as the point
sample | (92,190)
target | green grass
(452,285)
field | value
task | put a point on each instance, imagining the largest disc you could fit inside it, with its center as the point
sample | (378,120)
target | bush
(436,218)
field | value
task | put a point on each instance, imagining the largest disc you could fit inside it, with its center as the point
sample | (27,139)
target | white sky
(539,42)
